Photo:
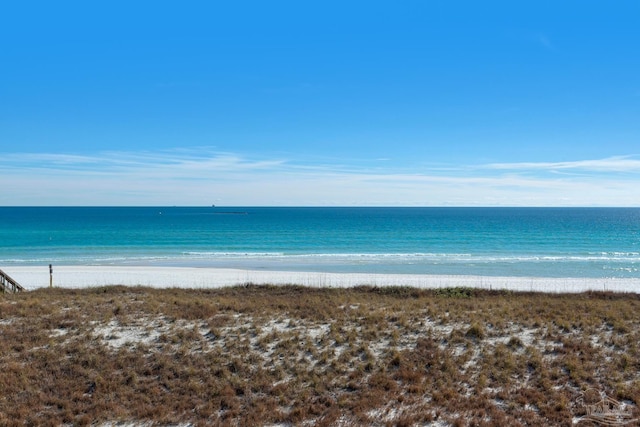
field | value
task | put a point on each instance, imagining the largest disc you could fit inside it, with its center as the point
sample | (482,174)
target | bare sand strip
(190,277)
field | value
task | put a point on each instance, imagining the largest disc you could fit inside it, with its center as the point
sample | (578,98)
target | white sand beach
(190,277)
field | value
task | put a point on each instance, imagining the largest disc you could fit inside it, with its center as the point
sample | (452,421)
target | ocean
(522,242)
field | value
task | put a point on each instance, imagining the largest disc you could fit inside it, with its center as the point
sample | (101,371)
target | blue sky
(398,103)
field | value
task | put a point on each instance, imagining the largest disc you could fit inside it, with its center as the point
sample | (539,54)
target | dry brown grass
(289,355)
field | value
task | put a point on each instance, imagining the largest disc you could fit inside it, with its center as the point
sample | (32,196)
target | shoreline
(198,278)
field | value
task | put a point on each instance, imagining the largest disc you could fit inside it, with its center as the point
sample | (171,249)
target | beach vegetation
(292,355)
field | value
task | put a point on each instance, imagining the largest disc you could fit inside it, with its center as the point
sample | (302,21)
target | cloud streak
(610,164)
(202,177)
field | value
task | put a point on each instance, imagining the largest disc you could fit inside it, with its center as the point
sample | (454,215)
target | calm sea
(543,242)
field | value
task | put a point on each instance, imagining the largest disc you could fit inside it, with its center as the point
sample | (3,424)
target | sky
(320,103)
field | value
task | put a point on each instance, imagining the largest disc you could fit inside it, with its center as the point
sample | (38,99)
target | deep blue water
(547,242)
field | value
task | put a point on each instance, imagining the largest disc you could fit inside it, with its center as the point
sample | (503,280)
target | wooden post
(50,276)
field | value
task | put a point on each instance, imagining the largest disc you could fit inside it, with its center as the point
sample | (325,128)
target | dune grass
(290,355)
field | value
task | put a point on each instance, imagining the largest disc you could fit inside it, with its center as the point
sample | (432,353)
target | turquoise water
(542,242)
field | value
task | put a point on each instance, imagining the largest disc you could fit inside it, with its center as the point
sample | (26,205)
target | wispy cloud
(188,162)
(202,176)
(610,164)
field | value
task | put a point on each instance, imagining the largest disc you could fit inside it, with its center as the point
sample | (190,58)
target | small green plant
(455,292)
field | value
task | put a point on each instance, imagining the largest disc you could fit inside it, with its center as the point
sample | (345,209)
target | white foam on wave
(604,256)
(189,277)
(191,258)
